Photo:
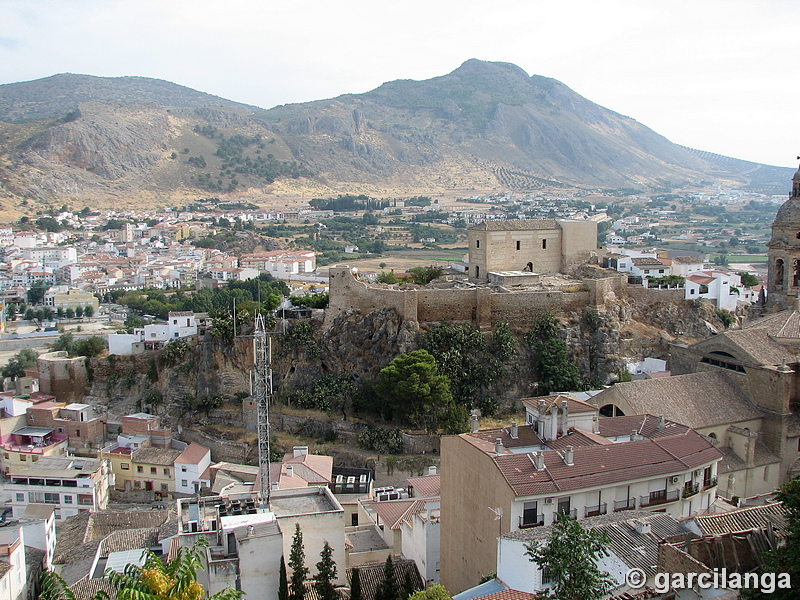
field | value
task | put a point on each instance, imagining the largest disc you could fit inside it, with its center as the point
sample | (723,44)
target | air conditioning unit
(676,480)
(548,500)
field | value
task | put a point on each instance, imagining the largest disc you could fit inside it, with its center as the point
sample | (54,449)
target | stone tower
(783,282)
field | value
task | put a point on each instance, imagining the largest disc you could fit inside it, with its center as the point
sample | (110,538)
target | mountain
(487,126)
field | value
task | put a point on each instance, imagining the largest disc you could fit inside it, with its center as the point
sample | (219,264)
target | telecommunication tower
(262,392)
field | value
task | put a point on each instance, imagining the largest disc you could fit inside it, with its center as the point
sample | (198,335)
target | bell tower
(783,283)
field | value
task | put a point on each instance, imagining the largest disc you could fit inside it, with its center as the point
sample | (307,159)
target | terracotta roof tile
(605,465)
(427,486)
(742,520)
(193,454)
(695,400)
(573,404)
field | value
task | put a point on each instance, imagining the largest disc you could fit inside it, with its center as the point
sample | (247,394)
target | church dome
(789,212)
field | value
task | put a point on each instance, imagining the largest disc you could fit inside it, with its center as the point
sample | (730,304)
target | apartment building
(70,484)
(505,479)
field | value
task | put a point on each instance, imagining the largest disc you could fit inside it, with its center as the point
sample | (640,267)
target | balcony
(659,497)
(629,504)
(690,489)
(596,510)
(531,521)
(570,514)
(709,483)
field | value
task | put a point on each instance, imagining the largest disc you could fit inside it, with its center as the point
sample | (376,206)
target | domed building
(783,282)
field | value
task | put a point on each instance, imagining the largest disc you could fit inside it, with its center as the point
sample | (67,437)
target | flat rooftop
(299,504)
(367,540)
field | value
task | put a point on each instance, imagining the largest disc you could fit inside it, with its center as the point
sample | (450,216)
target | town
(674,458)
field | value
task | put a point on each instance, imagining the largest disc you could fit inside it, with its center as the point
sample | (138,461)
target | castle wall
(578,242)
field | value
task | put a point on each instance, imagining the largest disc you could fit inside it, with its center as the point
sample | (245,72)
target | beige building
(532,245)
(507,479)
(71,299)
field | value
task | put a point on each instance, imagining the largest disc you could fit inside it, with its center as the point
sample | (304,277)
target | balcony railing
(629,504)
(659,497)
(709,483)
(690,489)
(596,510)
(537,521)
(570,514)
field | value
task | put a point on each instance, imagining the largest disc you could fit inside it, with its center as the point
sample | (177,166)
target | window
(354,519)
(184,483)
(153,470)
(23,458)
(60,430)
(34,458)
(691,291)
(137,484)
(544,244)
(139,469)
(50,498)
(78,433)
(564,506)
(518,244)
(477,243)
(125,466)
(20,497)
(183,468)
(477,271)
(530,513)
(164,487)
(67,499)
(166,472)
(5,455)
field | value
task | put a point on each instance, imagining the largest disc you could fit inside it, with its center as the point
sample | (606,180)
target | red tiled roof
(573,404)
(426,486)
(509,595)
(485,438)
(606,464)
(193,454)
(646,425)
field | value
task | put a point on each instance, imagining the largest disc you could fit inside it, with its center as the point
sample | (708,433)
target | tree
(24,359)
(89,347)
(355,584)
(424,275)
(554,368)
(79,311)
(326,575)
(435,592)
(60,312)
(155,580)
(297,585)
(784,562)
(65,343)
(70,312)
(11,312)
(88,310)
(414,391)
(283,585)
(388,589)
(36,292)
(30,314)
(503,344)
(569,557)
(748,280)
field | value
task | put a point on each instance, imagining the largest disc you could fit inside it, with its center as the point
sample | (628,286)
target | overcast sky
(718,75)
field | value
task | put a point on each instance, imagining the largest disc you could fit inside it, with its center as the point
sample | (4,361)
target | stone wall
(484,307)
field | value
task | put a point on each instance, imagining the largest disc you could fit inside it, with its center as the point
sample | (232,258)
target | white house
(723,288)
(70,484)
(192,469)
(14,574)
(179,325)
(633,537)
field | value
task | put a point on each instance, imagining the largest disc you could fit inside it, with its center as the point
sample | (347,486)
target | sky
(717,75)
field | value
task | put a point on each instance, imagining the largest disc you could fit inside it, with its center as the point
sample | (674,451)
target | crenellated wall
(479,305)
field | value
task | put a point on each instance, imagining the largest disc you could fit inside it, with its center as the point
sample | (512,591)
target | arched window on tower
(796,276)
(779,272)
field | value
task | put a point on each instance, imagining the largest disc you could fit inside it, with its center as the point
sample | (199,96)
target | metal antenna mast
(262,388)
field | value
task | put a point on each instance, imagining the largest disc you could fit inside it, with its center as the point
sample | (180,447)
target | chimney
(299,451)
(642,527)
(473,423)
(541,409)
(661,423)
(289,471)
(569,456)
(564,416)
(514,430)
(274,485)
(634,435)
(498,446)
(538,460)
(432,470)
(596,424)
(540,429)
(553,433)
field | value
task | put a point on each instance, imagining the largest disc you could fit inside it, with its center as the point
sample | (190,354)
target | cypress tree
(283,585)
(355,585)
(297,589)
(326,574)
(388,588)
